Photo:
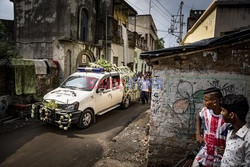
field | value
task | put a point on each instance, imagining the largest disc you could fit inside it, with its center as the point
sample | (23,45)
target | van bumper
(58,117)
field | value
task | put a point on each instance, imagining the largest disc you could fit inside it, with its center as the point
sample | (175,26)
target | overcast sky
(161,10)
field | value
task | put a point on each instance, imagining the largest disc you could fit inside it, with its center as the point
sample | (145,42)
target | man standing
(214,130)
(237,151)
(145,84)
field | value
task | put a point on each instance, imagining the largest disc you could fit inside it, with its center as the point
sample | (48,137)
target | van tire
(86,119)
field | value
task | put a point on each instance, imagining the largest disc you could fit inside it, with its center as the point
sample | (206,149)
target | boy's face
(225,114)
(208,101)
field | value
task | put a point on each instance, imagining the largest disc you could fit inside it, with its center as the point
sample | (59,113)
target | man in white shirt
(237,151)
(145,85)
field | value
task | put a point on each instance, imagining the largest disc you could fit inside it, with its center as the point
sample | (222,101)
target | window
(146,38)
(80,83)
(105,83)
(83,25)
(115,82)
(115,61)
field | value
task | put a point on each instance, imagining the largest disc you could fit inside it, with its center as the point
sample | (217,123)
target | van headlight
(73,106)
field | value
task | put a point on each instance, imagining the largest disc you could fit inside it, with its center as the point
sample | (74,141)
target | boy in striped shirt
(215,130)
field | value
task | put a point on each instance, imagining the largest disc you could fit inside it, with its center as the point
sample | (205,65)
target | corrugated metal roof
(235,37)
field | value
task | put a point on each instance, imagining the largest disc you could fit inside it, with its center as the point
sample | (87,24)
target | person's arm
(199,138)
(247,153)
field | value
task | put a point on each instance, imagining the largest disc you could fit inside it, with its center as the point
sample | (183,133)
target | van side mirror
(99,90)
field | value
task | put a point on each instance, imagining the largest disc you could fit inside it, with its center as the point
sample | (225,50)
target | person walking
(145,85)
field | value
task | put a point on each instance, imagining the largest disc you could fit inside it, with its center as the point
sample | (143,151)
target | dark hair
(237,104)
(214,92)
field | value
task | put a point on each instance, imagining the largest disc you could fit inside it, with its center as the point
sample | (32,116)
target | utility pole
(174,22)
(149,8)
(106,35)
(181,22)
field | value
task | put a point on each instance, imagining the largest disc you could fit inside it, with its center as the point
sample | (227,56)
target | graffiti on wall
(185,105)
(185,98)
(225,88)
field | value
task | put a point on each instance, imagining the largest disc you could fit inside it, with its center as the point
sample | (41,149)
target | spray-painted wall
(177,96)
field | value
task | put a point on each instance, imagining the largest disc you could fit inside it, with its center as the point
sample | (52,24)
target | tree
(160,43)
(7,47)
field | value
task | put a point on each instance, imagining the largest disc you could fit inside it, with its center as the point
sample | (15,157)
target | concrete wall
(118,51)
(140,62)
(204,30)
(62,51)
(145,25)
(229,18)
(174,108)
(90,7)
(177,95)
(40,23)
(220,17)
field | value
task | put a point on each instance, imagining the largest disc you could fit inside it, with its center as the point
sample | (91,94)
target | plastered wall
(177,96)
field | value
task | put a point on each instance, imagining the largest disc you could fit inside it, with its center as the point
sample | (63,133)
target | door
(117,89)
(103,95)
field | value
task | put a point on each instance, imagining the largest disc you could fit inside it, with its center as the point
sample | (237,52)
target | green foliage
(104,64)
(7,47)
(130,86)
(160,43)
(51,104)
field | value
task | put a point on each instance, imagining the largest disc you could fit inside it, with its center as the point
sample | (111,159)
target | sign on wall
(84,59)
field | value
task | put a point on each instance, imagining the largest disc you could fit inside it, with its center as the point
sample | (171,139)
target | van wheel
(86,119)
(126,102)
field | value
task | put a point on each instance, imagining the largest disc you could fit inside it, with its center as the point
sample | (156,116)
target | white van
(84,94)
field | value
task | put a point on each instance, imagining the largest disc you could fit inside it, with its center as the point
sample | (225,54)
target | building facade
(221,16)
(74,33)
(146,40)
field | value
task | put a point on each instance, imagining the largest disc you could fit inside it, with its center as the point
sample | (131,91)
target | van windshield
(80,82)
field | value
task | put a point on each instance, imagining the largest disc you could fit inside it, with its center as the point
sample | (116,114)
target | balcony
(117,35)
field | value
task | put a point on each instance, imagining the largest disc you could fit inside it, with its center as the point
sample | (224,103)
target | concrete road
(41,144)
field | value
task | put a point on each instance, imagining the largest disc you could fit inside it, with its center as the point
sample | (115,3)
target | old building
(146,39)
(74,33)
(220,16)
(194,15)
